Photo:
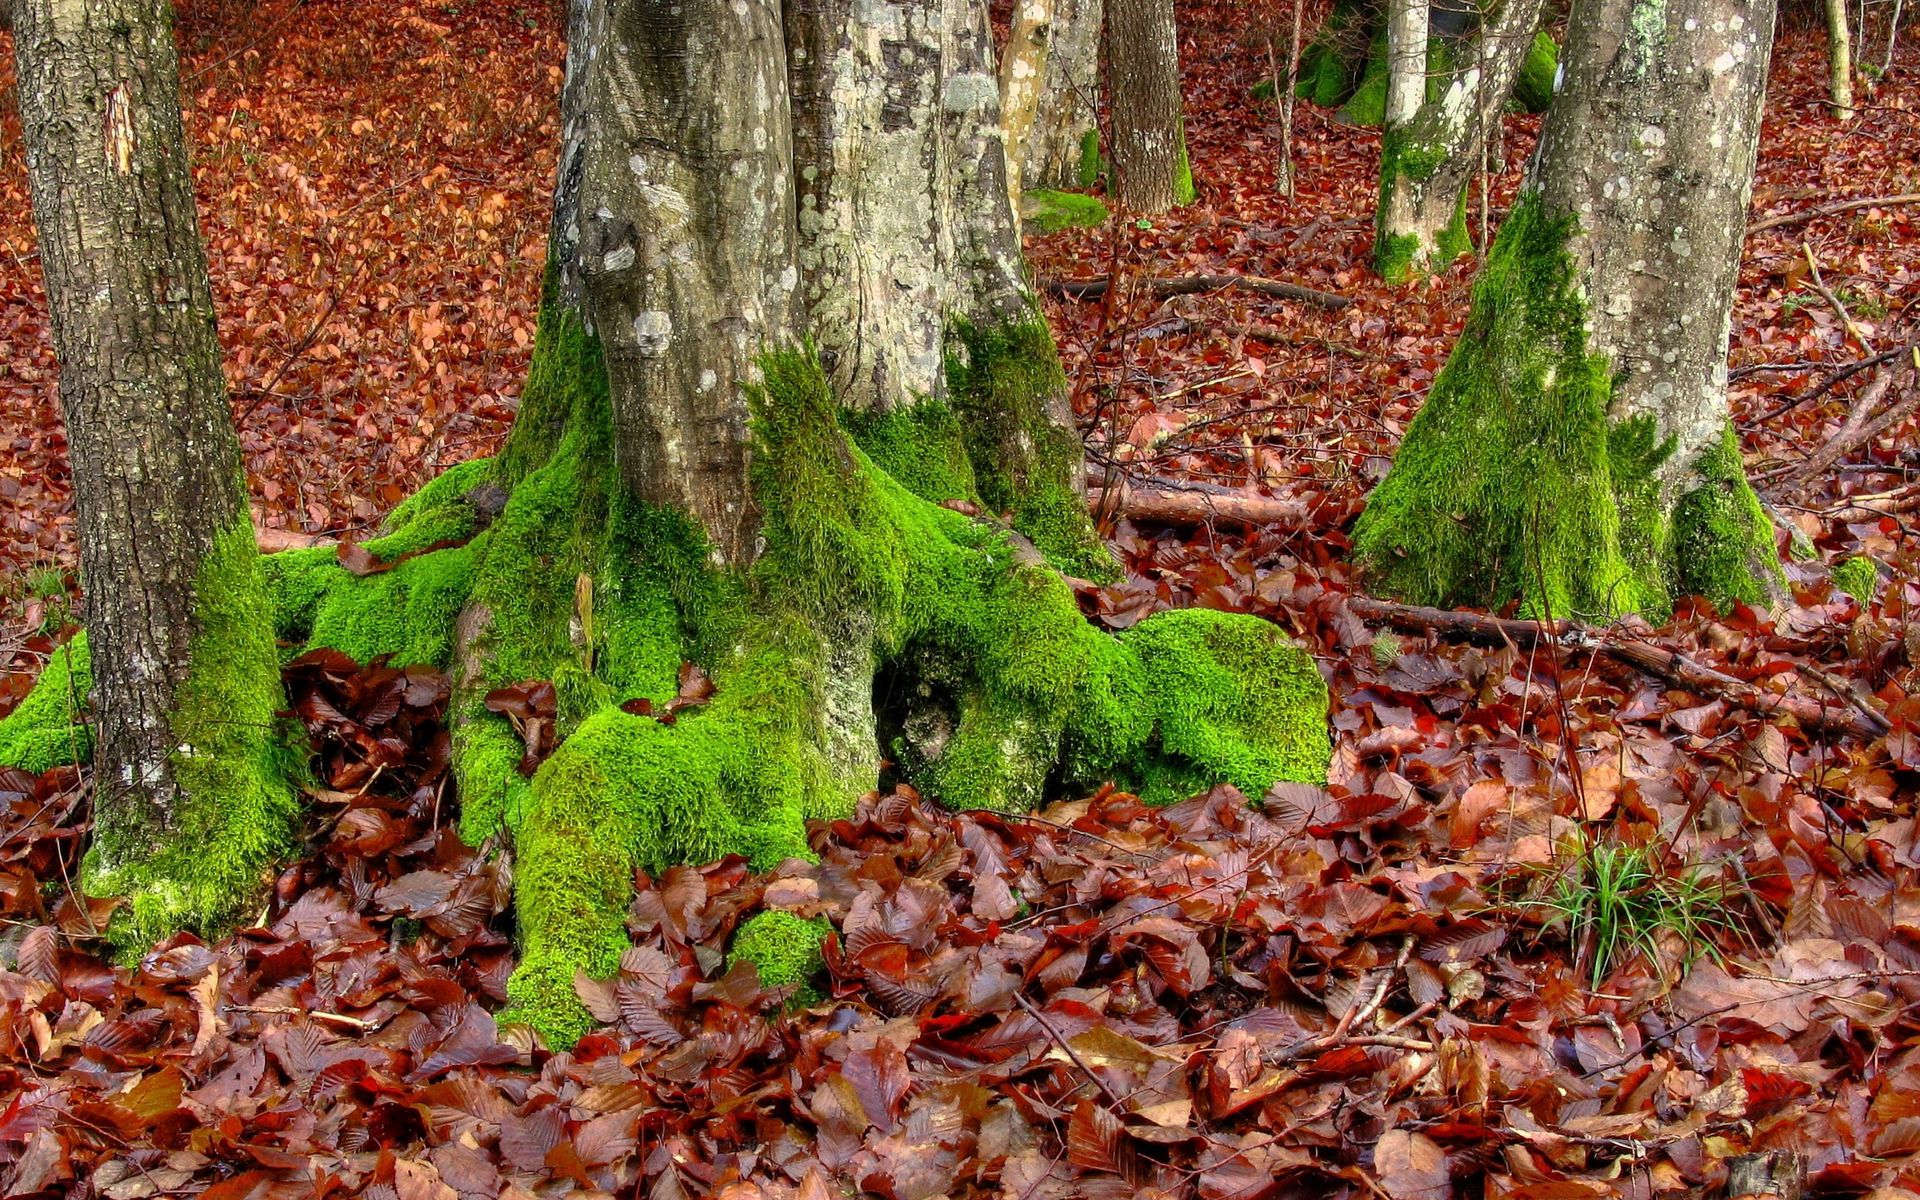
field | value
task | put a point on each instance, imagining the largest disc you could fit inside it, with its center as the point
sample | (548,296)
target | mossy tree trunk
(1023,74)
(1576,452)
(184,680)
(1435,129)
(1150,165)
(1063,146)
(1840,60)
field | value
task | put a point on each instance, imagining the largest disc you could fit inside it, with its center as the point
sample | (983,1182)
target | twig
(1173,506)
(1112,1100)
(1186,285)
(1833,301)
(1658,661)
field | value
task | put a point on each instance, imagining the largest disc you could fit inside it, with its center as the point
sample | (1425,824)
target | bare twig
(1186,285)
(1827,210)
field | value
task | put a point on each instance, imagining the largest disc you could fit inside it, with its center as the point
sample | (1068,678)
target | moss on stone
(236,812)
(784,949)
(1047,211)
(1533,87)
(47,729)
(1857,577)
(1512,483)
(1026,459)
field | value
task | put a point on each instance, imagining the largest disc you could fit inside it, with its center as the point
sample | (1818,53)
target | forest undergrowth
(1555,928)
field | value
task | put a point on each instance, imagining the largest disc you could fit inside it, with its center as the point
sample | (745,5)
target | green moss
(1093,164)
(785,949)
(47,728)
(920,445)
(1857,577)
(236,812)
(1533,88)
(1723,545)
(1324,77)
(1047,211)
(1232,700)
(1367,105)
(1512,483)
(1026,460)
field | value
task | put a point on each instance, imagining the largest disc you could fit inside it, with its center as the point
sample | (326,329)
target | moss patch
(1047,211)
(1857,577)
(785,949)
(47,728)
(1093,164)
(1533,88)
(1512,483)
(236,812)
(1026,462)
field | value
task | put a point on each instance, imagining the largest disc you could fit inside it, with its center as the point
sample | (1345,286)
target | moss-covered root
(1533,89)
(46,729)
(236,810)
(1233,701)
(785,949)
(1512,483)
(1010,395)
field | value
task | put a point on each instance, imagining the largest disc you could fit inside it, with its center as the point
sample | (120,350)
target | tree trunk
(1143,76)
(1435,136)
(1839,60)
(189,806)
(1063,147)
(1576,451)
(1023,71)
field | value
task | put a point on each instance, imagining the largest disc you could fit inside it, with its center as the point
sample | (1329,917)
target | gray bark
(156,464)
(1650,147)
(1431,148)
(1143,75)
(1067,97)
(1839,59)
(684,238)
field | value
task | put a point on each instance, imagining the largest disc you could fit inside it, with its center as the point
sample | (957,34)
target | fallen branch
(1869,505)
(1183,506)
(1828,210)
(1186,285)
(273,541)
(1863,425)
(1854,718)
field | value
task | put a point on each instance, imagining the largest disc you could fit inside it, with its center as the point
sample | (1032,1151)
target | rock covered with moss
(1857,577)
(784,949)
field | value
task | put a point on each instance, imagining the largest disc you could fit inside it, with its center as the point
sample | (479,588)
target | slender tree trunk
(1839,60)
(1434,137)
(1063,146)
(1576,451)
(1285,89)
(1023,75)
(1143,78)
(189,808)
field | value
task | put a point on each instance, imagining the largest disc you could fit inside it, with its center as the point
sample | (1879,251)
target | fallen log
(1186,285)
(1193,506)
(1852,716)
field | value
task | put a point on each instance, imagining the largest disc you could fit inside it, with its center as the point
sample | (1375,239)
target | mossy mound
(46,729)
(1046,211)
(1857,577)
(1512,483)
(784,949)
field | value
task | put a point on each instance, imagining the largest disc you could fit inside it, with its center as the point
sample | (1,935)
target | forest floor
(1367,990)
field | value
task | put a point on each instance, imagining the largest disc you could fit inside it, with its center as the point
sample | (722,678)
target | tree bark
(185,679)
(1839,60)
(1063,146)
(1143,78)
(1435,137)
(1023,72)
(1576,452)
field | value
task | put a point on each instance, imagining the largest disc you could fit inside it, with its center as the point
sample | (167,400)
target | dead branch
(1194,506)
(1866,420)
(1855,718)
(1828,210)
(1186,285)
